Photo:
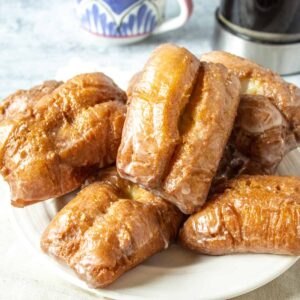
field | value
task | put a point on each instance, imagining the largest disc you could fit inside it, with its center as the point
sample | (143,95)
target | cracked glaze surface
(268,121)
(259,214)
(52,135)
(109,227)
(178,123)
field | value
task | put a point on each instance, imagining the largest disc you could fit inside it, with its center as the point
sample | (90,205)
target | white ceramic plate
(172,274)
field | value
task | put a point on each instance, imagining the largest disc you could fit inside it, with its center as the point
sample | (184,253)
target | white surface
(37,39)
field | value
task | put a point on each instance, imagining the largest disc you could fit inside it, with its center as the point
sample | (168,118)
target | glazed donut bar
(191,128)
(259,214)
(179,119)
(260,139)
(268,120)
(109,227)
(256,80)
(54,134)
(158,96)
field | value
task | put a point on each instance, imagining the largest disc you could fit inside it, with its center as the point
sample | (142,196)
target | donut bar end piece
(257,80)
(259,214)
(268,121)
(111,226)
(54,135)
(261,137)
(20,104)
(172,146)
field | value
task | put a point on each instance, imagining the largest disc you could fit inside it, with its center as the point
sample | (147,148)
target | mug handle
(186,9)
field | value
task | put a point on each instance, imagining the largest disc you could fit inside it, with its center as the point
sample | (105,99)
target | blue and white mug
(128,21)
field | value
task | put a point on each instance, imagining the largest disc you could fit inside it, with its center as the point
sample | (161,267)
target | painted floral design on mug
(127,19)
(112,19)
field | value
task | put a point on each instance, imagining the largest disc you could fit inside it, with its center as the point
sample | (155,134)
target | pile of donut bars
(200,138)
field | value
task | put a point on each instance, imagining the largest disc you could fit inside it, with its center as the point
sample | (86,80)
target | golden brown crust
(134,79)
(20,104)
(64,133)
(259,214)
(109,227)
(260,139)
(268,122)
(205,129)
(257,80)
(172,146)
(151,131)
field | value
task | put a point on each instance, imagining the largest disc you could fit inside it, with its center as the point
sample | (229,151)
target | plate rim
(58,268)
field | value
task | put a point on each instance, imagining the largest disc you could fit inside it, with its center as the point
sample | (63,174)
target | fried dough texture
(268,121)
(259,214)
(111,226)
(54,134)
(179,119)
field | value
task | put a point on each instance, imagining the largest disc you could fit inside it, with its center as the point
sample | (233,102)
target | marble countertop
(41,39)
